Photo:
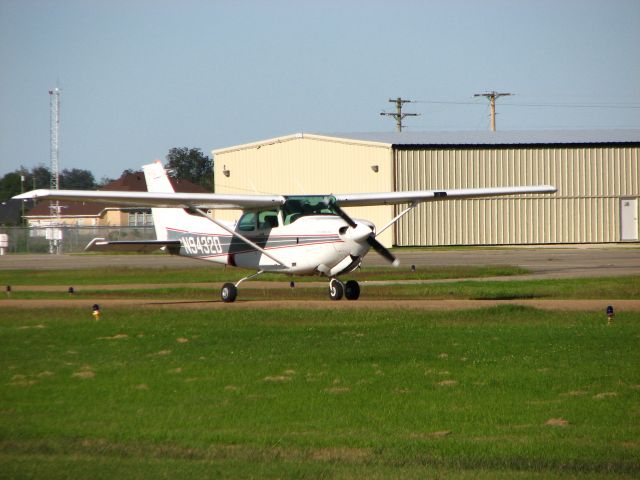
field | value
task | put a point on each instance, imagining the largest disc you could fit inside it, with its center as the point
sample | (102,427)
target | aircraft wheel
(336,289)
(229,292)
(352,290)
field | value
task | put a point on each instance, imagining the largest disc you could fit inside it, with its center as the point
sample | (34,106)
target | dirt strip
(215,286)
(362,304)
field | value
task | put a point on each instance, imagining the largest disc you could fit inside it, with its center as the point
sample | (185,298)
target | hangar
(597,173)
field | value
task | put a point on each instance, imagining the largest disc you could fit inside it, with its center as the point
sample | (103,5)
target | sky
(139,77)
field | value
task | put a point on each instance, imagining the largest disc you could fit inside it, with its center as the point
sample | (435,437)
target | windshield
(301,206)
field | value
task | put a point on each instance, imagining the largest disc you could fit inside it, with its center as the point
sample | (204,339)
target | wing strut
(399,216)
(202,213)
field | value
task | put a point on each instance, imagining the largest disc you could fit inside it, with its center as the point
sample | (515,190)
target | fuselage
(309,245)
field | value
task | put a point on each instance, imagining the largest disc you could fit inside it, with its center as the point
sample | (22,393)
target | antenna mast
(54,111)
(55,239)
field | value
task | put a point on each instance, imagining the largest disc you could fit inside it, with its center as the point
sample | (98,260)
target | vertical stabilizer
(157,179)
(158,182)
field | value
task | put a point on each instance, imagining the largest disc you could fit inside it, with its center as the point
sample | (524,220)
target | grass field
(215,273)
(579,288)
(506,392)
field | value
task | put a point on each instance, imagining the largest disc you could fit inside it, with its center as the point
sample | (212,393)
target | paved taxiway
(548,262)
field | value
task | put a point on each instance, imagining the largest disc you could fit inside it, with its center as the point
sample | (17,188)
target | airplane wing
(418,196)
(149,199)
(226,201)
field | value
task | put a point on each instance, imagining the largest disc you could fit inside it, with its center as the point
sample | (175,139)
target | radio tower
(55,242)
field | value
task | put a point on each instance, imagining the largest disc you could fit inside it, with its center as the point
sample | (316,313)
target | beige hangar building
(596,172)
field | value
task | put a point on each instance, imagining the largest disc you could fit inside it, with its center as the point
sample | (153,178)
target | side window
(267,220)
(247,222)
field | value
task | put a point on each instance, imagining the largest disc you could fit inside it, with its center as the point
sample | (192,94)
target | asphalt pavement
(545,262)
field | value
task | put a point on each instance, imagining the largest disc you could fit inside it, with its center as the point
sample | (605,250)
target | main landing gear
(350,290)
(229,291)
(337,289)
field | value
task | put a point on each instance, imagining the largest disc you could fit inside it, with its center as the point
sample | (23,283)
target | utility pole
(399,115)
(55,243)
(492,101)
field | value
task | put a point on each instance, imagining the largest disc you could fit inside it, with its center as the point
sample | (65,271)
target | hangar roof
(462,138)
(541,137)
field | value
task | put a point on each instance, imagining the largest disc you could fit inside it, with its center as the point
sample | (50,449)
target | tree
(10,186)
(39,177)
(77,179)
(103,181)
(191,164)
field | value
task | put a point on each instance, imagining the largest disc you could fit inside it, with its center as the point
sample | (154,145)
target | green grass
(208,273)
(577,288)
(335,394)
(573,288)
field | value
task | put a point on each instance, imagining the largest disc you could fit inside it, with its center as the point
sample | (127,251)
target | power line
(546,105)
(444,102)
(567,105)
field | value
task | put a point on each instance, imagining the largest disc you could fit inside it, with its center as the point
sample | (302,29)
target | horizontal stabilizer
(138,246)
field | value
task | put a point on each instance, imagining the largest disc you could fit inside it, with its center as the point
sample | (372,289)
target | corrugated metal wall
(306,165)
(586,208)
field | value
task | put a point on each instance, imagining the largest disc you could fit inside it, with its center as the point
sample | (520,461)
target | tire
(336,290)
(228,293)
(352,290)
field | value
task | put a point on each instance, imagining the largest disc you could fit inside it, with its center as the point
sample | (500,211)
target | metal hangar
(597,173)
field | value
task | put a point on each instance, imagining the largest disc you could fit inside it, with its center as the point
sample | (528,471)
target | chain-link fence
(70,239)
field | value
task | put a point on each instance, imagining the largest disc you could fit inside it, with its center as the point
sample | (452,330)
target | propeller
(370,239)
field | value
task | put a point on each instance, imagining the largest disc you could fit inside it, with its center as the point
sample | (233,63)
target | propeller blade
(344,216)
(371,239)
(378,247)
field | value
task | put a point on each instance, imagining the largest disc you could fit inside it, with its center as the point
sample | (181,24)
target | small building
(597,174)
(80,214)
(11,212)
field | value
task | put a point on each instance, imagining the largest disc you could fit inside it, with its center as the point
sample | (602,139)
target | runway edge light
(610,315)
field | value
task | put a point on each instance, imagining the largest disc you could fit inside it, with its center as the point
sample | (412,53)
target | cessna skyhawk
(294,235)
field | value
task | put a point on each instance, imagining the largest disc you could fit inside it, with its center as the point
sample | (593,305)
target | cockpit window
(301,206)
(247,222)
(264,220)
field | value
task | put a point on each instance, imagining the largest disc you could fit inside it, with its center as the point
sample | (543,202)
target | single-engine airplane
(290,234)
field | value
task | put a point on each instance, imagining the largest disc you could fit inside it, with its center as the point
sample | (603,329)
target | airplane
(290,234)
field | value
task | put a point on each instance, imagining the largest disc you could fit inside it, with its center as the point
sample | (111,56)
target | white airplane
(294,235)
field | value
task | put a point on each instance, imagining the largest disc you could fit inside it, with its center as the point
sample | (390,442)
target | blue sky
(140,77)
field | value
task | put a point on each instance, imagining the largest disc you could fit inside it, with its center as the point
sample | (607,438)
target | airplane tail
(163,218)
